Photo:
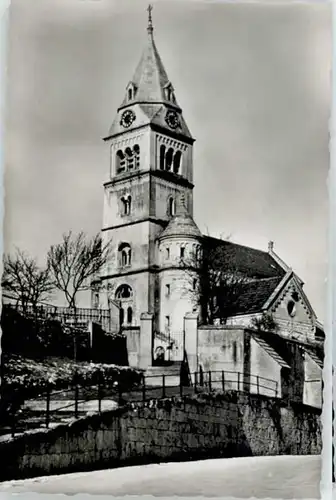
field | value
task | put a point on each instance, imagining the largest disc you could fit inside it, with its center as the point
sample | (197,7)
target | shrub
(23,379)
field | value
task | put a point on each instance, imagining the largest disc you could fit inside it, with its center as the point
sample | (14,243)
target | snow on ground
(259,477)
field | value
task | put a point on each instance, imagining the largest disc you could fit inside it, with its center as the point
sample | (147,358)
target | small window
(167,322)
(129,315)
(194,284)
(125,254)
(177,162)
(130,94)
(171,206)
(162,157)
(136,151)
(167,290)
(167,253)
(169,158)
(123,292)
(126,204)
(291,309)
(182,252)
(121,162)
(129,159)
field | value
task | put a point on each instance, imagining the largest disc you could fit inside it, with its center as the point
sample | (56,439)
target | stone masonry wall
(193,427)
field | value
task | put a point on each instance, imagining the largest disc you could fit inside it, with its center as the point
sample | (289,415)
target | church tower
(151,166)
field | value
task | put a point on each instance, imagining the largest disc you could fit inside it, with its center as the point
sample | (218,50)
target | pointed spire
(150,28)
(150,80)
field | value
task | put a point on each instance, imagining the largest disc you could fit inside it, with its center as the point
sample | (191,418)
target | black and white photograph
(165,259)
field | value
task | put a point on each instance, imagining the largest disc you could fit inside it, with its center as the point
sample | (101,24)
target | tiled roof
(150,102)
(253,295)
(249,261)
(150,77)
(278,344)
(270,350)
(181,225)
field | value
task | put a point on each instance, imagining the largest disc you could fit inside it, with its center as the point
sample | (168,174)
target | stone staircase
(154,375)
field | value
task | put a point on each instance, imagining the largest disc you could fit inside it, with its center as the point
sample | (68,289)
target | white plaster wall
(265,367)
(312,392)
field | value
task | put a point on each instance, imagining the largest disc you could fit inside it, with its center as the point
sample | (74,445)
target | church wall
(129,139)
(242,320)
(312,393)
(139,300)
(175,304)
(163,191)
(137,235)
(222,349)
(265,367)
(186,166)
(302,324)
(138,189)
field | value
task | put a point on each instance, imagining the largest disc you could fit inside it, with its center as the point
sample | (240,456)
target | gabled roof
(249,261)
(290,275)
(149,113)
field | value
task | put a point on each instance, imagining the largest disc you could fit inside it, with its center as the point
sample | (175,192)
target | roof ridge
(236,244)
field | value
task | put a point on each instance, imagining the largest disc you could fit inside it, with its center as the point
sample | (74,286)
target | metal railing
(53,407)
(64,314)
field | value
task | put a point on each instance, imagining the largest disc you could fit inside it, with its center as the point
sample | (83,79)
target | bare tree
(25,281)
(75,262)
(219,284)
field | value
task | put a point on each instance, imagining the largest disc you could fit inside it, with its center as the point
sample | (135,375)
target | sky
(253,81)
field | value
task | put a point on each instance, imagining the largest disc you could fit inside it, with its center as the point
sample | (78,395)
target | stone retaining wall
(193,427)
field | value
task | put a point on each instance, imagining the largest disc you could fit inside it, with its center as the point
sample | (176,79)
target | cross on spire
(150,23)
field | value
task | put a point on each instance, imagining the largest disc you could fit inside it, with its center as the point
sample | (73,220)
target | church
(148,283)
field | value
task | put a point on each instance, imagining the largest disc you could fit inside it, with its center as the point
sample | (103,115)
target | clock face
(172,119)
(127,118)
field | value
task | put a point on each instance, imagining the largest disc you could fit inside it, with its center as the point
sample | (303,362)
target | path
(260,477)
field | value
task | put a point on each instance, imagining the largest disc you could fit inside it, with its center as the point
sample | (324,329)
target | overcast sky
(253,82)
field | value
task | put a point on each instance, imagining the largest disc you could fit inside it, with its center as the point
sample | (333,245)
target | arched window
(123,292)
(162,156)
(171,206)
(125,254)
(136,151)
(121,162)
(169,158)
(126,204)
(177,162)
(129,159)
(159,354)
(130,94)
(129,315)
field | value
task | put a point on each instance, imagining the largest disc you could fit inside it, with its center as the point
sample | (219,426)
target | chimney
(270,246)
